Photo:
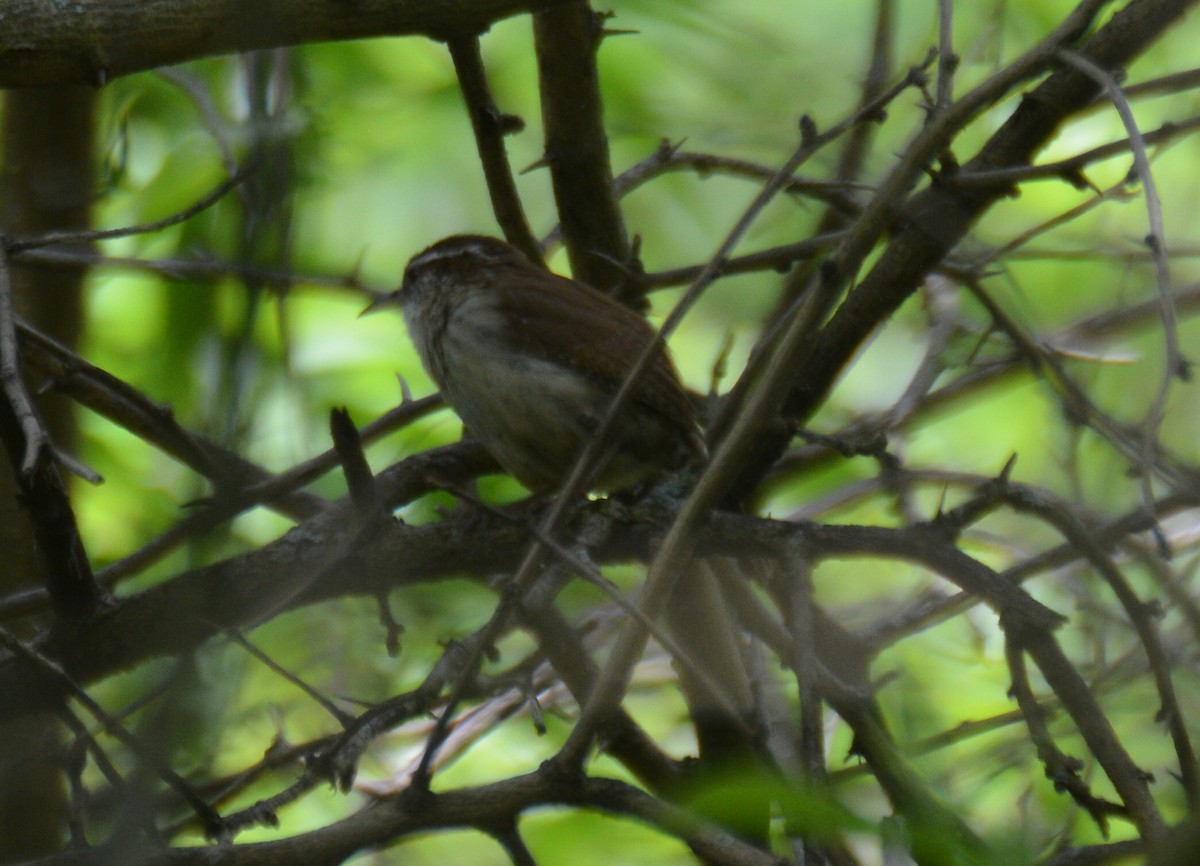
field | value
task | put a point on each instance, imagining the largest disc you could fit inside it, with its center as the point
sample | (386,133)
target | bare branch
(567,39)
(95,41)
(19,245)
(68,574)
(490,127)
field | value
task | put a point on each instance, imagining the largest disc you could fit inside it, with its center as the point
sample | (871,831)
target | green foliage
(383,162)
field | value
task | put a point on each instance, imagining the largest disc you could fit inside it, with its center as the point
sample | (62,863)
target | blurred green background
(383,163)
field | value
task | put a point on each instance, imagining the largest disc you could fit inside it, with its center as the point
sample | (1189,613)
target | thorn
(1160,543)
(541,162)
(1077,178)
(808,130)
(506,124)
(77,467)
(1006,472)
(405,392)
(535,713)
(667,149)
(356,268)
(720,364)
(941,505)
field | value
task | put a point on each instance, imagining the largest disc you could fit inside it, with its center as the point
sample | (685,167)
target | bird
(531,361)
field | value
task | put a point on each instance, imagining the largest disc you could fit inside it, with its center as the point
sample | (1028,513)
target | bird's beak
(391,299)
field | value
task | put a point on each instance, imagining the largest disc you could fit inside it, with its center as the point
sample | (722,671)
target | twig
(514,846)
(71,586)
(909,622)
(1082,409)
(670,157)
(798,619)
(1070,168)
(208,816)
(948,60)
(343,718)
(1024,620)
(514,595)
(348,446)
(1104,854)
(18,245)
(206,269)
(1059,516)
(240,484)
(198,91)
(27,439)
(1175,365)
(777,258)
(1117,192)
(668,563)
(1174,82)
(490,127)
(934,221)
(797,310)
(1062,769)
(587,571)
(486,807)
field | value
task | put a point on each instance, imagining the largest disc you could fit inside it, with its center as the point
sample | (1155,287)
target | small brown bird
(531,361)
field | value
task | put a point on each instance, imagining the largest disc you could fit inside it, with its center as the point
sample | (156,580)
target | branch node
(808,131)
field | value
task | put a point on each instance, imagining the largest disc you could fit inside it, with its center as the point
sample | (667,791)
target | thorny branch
(823,320)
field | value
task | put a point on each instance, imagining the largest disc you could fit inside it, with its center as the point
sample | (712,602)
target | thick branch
(332,552)
(577,146)
(94,41)
(332,555)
